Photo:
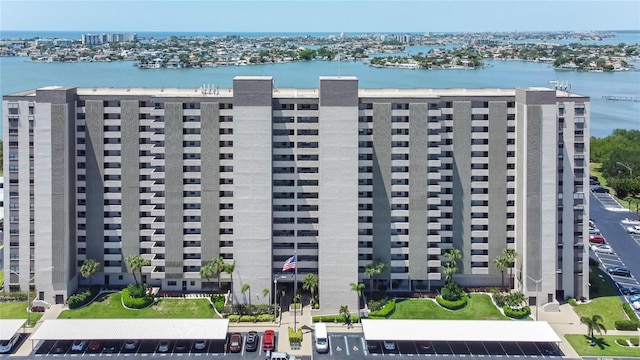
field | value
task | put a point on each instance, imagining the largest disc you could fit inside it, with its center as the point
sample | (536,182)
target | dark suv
(618,270)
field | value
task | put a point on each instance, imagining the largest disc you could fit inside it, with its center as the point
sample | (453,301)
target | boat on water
(628,221)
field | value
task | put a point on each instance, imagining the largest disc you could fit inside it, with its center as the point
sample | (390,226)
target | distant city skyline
(318,16)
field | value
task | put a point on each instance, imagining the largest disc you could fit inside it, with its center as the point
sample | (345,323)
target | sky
(416,16)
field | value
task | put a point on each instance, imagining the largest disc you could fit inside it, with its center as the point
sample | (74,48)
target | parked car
(425,345)
(181,346)
(634,298)
(235,342)
(6,345)
(389,344)
(110,346)
(199,344)
(629,290)
(163,346)
(602,248)
(633,229)
(78,345)
(598,239)
(268,343)
(61,347)
(618,270)
(130,344)
(599,189)
(94,345)
(594,182)
(252,341)
(636,305)
(594,231)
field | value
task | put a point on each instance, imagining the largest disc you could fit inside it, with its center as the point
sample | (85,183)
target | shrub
(77,300)
(517,313)
(295,337)
(630,313)
(375,305)
(452,305)
(333,318)
(452,292)
(626,325)
(500,299)
(137,290)
(13,296)
(387,310)
(572,302)
(218,302)
(264,317)
(634,341)
(593,262)
(234,318)
(135,303)
(622,342)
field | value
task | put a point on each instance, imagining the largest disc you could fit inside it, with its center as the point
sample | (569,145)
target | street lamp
(28,293)
(275,294)
(626,166)
(538,281)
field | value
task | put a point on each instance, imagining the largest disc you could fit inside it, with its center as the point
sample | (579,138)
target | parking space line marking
(346,345)
(364,346)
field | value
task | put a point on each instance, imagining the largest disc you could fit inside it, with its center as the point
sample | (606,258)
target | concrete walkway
(27,346)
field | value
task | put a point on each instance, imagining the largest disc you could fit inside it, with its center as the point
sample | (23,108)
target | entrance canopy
(459,330)
(132,329)
(10,327)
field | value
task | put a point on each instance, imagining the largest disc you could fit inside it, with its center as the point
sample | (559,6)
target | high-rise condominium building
(340,176)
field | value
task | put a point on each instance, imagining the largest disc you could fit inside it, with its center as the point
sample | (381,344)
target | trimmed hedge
(333,318)
(630,313)
(250,318)
(573,302)
(295,337)
(387,310)
(452,305)
(135,303)
(77,300)
(13,296)
(634,341)
(622,342)
(218,302)
(517,313)
(626,325)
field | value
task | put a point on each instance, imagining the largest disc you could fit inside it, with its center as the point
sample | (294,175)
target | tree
(593,323)
(229,269)
(244,289)
(310,283)
(374,269)
(218,267)
(451,267)
(511,255)
(206,271)
(346,315)
(502,264)
(358,290)
(136,262)
(370,271)
(89,268)
(449,270)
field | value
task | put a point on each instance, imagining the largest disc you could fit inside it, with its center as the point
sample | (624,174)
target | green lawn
(1,276)
(605,302)
(606,346)
(479,307)
(110,307)
(17,310)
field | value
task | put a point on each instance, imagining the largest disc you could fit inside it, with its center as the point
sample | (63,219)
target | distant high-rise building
(339,175)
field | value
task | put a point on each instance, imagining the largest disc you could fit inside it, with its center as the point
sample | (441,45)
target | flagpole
(295,285)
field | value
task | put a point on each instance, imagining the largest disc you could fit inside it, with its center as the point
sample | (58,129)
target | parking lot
(609,202)
(354,346)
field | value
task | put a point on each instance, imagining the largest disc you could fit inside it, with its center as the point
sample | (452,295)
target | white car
(594,231)
(633,229)
(163,346)
(78,345)
(389,345)
(636,305)
(602,248)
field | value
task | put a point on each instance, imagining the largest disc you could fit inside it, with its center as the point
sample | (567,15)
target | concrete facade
(338,175)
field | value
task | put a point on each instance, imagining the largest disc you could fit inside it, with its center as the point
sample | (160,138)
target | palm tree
(370,271)
(502,264)
(218,267)
(310,283)
(449,269)
(344,312)
(510,255)
(89,268)
(206,272)
(136,262)
(229,269)
(593,323)
(244,289)
(374,269)
(265,292)
(358,289)
(453,255)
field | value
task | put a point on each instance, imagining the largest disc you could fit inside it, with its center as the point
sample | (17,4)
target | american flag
(290,264)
